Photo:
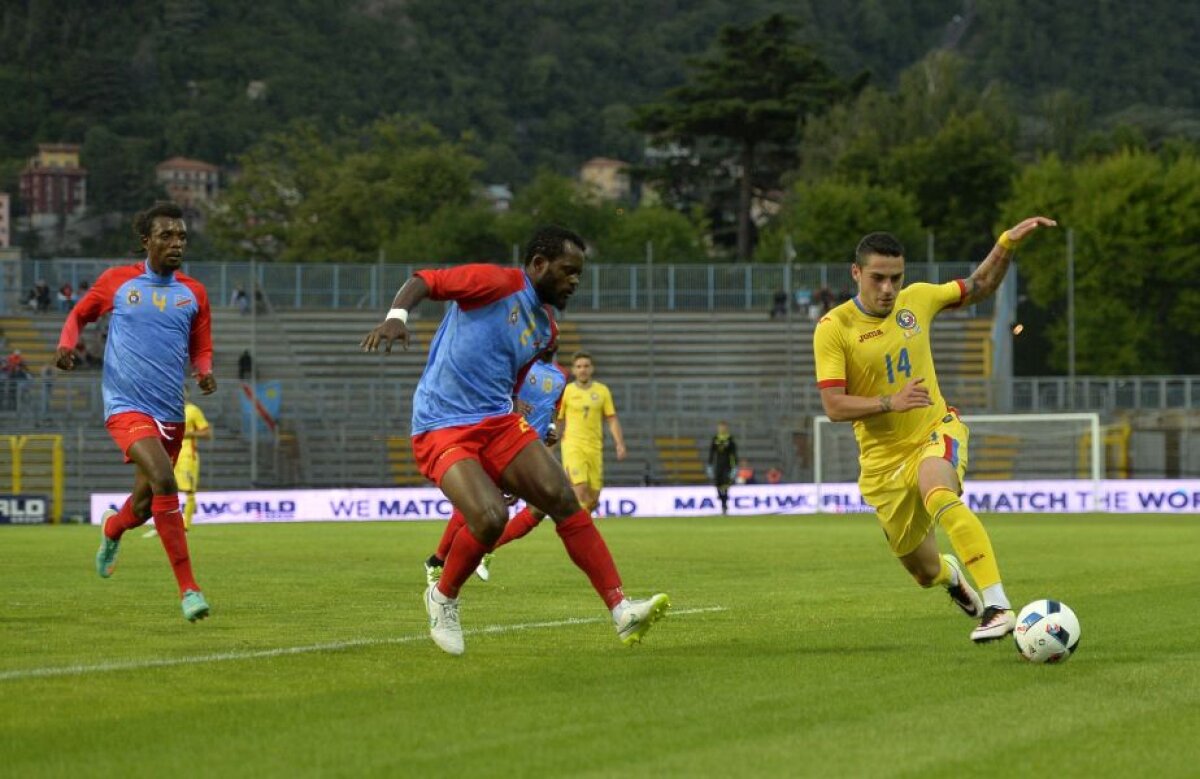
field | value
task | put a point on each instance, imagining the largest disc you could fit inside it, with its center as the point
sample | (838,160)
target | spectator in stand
(774,476)
(779,304)
(15,366)
(240,300)
(84,358)
(745,473)
(66,296)
(245,366)
(826,300)
(41,293)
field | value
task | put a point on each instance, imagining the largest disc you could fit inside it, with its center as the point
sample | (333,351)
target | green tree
(751,99)
(674,237)
(554,199)
(1136,219)
(826,219)
(937,138)
(304,197)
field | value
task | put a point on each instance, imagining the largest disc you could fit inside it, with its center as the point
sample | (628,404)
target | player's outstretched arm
(986,279)
(395,325)
(840,407)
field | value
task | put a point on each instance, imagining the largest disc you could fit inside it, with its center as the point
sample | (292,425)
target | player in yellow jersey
(875,369)
(586,405)
(187,467)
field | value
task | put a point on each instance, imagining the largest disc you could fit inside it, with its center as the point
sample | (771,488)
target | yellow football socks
(189,509)
(967,536)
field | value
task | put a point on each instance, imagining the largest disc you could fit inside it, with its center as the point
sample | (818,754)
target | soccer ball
(1047,632)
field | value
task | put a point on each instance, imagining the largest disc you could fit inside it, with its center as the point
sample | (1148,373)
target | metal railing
(47,401)
(605,287)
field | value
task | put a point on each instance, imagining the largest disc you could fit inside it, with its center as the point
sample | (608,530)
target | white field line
(330,646)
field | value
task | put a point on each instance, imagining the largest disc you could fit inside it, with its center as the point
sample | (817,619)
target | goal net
(1009,447)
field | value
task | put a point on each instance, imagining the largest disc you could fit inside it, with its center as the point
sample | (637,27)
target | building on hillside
(190,183)
(499,197)
(54,187)
(607,177)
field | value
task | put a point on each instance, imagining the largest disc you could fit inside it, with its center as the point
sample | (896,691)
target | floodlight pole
(653,366)
(253,371)
(1071,316)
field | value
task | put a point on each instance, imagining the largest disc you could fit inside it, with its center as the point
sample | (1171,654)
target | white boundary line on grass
(331,646)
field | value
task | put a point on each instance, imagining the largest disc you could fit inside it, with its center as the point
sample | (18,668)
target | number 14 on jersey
(902,365)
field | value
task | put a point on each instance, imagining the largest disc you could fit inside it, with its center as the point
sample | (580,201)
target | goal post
(1011,447)
(33,464)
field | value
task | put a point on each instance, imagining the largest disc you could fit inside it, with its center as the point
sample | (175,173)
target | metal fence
(701,287)
(45,401)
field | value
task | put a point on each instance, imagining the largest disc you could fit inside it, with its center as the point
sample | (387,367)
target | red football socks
(457,520)
(518,527)
(587,549)
(169,523)
(123,520)
(464,556)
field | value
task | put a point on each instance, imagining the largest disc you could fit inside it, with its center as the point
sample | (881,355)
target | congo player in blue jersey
(467,437)
(160,322)
(538,400)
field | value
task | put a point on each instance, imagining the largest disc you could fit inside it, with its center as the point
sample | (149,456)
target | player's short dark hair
(143,222)
(551,242)
(877,243)
(581,354)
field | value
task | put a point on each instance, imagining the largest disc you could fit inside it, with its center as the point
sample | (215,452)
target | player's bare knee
(562,503)
(164,484)
(489,522)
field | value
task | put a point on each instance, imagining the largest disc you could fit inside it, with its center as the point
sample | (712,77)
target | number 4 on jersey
(902,364)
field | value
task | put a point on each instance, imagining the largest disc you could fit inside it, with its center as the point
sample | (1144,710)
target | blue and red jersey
(494,329)
(158,323)
(542,388)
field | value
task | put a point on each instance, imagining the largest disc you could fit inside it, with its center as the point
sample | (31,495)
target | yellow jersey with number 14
(585,411)
(872,356)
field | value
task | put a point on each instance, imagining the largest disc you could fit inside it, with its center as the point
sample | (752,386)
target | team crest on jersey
(134,297)
(595,397)
(547,385)
(908,323)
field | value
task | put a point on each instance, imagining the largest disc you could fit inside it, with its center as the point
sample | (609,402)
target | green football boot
(106,555)
(194,606)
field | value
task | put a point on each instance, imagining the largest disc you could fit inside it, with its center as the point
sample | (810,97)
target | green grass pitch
(797,647)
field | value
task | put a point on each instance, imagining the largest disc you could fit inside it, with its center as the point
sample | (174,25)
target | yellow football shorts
(584,467)
(896,496)
(187,474)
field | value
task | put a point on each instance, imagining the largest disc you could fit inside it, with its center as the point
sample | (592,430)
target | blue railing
(706,287)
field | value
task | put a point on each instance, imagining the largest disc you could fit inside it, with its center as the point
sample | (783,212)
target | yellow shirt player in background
(187,466)
(586,404)
(875,369)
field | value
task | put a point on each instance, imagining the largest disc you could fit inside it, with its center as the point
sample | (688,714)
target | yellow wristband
(1006,243)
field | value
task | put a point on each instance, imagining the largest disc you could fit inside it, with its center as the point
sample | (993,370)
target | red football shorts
(494,442)
(129,427)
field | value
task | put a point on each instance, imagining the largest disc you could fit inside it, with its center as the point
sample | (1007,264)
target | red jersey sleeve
(200,342)
(474,285)
(95,303)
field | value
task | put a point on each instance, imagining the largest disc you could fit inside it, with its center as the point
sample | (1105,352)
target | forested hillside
(540,83)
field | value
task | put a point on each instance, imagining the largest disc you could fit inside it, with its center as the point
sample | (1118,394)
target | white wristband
(398,313)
